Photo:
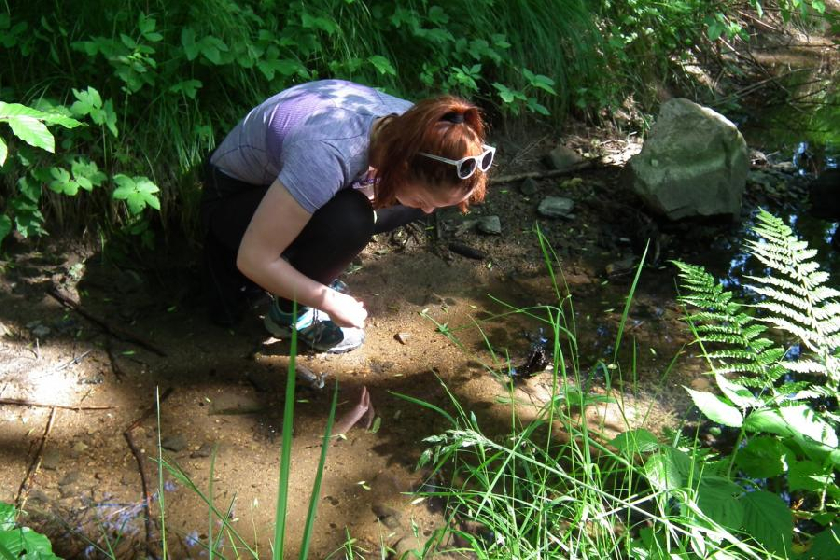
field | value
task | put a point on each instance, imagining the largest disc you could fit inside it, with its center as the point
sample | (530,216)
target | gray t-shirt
(313,138)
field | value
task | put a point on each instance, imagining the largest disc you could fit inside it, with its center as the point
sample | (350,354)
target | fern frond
(807,366)
(789,312)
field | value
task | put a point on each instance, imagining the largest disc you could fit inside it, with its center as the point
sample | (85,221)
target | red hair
(432,126)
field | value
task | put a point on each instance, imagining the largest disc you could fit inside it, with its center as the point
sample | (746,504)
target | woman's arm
(278,220)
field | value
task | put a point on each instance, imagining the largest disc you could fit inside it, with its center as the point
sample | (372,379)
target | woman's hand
(345,310)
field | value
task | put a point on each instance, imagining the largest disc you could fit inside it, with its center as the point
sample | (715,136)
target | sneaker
(314,328)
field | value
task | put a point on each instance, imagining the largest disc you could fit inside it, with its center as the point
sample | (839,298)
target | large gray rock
(693,163)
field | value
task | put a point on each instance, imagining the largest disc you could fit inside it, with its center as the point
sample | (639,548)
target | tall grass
(556,486)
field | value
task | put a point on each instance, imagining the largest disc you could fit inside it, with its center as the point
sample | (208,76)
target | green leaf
(33,132)
(188,42)
(4,152)
(716,498)
(87,102)
(715,409)
(762,457)
(7,511)
(768,520)
(807,475)
(187,87)
(635,442)
(825,545)
(767,421)
(25,543)
(804,421)
(667,470)
(382,64)
(48,117)
(319,22)
(738,394)
(62,183)
(137,192)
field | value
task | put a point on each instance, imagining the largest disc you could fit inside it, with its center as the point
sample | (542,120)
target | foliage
(22,543)
(790,437)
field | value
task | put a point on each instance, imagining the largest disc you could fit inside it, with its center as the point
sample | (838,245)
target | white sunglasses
(466,166)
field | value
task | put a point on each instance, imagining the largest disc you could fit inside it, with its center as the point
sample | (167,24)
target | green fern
(793,299)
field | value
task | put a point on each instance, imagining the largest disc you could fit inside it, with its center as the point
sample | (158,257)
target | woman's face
(421,197)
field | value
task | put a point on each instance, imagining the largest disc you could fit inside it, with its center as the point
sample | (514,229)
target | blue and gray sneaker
(314,328)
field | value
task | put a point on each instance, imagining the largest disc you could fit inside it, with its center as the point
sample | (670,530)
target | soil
(226,387)
(221,391)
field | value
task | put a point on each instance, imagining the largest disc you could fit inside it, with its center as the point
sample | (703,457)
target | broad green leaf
(87,101)
(137,192)
(769,521)
(4,151)
(33,132)
(26,544)
(825,545)
(716,498)
(807,475)
(382,64)
(319,22)
(48,117)
(767,421)
(738,394)
(62,183)
(7,511)
(87,173)
(187,87)
(804,421)
(667,470)
(762,457)
(188,42)
(635,442)
(715,409)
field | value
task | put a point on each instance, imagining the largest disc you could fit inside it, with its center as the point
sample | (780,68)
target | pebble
(205,450)
(51,459)
(490,225)
(174,442)
(562,158)
(528,187)
(556,207)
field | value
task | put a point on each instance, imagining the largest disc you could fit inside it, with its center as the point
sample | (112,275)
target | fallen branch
(34,466)
(23,402)
(147,498)
(110,329)
(513,178)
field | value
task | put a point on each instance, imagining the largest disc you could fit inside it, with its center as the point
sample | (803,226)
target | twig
(540,174)
(147,498)
(77,360)
(35,465)
(23,402)
(110,329)
(115,366)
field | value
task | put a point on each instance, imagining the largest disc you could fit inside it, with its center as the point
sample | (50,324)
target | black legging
(332,238)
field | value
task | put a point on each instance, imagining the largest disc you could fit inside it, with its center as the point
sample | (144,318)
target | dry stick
(23,491)
(540,174)
(147,498)
(23,402)
(110,329)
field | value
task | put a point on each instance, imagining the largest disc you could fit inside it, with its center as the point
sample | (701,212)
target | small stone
(202,452)
(562,158)
(51,459)
(624,265)
(402,337)
(490,225)
(77,449)
(528,187)
(700,384)
(174,442)
(387,515)
(556,207)
(70,478)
